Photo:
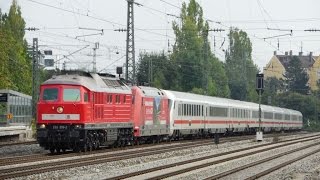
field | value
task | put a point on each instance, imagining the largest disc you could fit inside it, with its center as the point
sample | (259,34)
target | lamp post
(259,89)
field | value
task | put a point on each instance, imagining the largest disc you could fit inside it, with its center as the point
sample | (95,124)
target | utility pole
(130,53)
(94,62)
(206,63)
(35,77)
(150,72)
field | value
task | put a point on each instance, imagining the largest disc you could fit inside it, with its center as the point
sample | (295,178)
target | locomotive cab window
(71,95)
(50,94)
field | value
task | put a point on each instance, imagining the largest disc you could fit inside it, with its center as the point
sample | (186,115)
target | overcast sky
(59,22)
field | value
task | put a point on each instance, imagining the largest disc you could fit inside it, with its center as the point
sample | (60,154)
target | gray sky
(59,22)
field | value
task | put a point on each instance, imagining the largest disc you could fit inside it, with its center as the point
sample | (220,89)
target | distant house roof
(306,60)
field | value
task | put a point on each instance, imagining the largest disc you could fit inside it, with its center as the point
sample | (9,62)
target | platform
(15,133)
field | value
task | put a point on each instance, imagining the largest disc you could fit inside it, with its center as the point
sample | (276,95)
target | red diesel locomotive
(83,112)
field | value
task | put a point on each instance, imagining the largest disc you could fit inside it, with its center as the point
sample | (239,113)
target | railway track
(198,163)
(29,169)
(42,157)
(267,171)
(113,152)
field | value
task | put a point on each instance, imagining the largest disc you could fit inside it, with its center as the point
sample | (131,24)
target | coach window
(202,110)
(71,95)
(220,112)
(278,116)
(193,110)
(268,115)
(287,117)
(294,117)
(198,110)
(85,97)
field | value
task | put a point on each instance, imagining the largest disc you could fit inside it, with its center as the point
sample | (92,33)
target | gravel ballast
(112,169)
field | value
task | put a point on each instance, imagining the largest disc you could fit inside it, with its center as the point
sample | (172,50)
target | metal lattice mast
(130,53)
(94,62)
(35,76)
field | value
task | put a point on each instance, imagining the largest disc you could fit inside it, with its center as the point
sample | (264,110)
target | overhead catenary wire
(271,43)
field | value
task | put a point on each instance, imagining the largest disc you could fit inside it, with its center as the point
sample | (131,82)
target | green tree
(272,87)
(240,68)
(155,69)
(198,69)
(296,77)
(306,104)
(15,63)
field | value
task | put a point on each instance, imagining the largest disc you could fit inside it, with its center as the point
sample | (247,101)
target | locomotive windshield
(72,95)
(50,94)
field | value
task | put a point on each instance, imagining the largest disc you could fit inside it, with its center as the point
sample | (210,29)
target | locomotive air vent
(54,77)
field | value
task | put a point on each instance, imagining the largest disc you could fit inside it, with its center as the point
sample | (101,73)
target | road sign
(9,116)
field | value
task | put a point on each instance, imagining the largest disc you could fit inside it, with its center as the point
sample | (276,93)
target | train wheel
(58,150)
(89,144)
(76,149)
(51,150)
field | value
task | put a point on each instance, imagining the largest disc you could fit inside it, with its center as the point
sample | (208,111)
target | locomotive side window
(85,97)
(117,98)
(109,99)
(124,99)
(50,94)
(72,95)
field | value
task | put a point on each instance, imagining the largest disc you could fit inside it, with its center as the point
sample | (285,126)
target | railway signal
(259,89)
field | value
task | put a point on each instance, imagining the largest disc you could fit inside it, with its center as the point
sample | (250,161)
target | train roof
(151,91)
(92,81)
(218,101)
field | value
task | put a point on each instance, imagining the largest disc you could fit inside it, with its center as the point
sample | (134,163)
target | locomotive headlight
(59,109)
(77,126)
(42,126)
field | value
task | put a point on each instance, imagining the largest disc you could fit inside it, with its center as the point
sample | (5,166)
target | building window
(48,52)
(49,62)
(318,73)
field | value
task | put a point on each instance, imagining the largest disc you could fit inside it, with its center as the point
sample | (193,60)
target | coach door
(178,117)
(204,116)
